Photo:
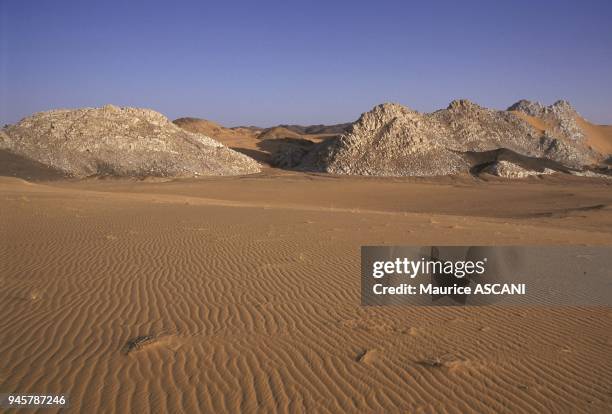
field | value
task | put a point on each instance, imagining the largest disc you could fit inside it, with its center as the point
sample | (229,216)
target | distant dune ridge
(279,146)
(318,129)
(119,142)
(213,129)
(393,140)
(278,132)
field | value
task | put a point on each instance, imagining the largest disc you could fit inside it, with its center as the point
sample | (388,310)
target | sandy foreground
(242,294)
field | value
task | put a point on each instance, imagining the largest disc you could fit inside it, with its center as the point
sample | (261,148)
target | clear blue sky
(268,62)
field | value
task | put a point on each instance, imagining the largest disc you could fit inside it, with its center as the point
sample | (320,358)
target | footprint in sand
(431,362)
(368,356)
(147,342)
(448,363)
(413,331)
(35,295)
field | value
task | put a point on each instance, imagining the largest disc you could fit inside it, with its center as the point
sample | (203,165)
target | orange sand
(241,294)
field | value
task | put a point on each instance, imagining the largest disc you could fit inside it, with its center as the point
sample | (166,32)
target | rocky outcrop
(560,116)
(389,140)
(288,152)
(507,169)
(119,142)
(393,140)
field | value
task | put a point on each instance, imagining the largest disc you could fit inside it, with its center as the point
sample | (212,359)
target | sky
(307,62)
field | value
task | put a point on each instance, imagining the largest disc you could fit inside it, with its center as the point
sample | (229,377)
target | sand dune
(539,124)
(318,129)
(214,130)
(217,295)
(241,139)
(278,132)
(598,136)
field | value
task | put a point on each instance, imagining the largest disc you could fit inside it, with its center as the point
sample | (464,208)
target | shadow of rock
(13,165)
(286,153)
(259,156)
(480,160)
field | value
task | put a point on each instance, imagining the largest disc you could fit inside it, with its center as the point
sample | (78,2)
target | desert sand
(229,294)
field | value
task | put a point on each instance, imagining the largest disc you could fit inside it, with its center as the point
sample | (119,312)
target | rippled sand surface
(242,294)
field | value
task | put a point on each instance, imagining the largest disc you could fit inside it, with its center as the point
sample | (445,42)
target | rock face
(508,169)
(392,140)
(289,152)
(120,142)
(561,115)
